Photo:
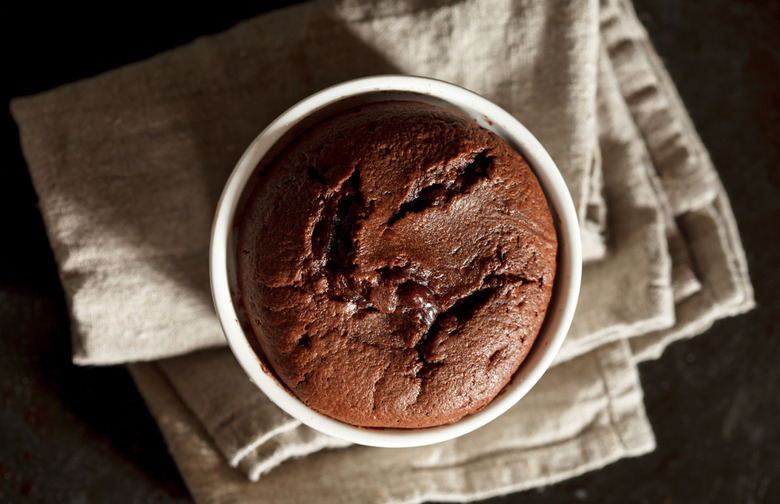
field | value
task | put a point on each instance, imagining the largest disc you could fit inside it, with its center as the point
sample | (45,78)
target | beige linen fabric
(128,167)
(133,161)
(581,416)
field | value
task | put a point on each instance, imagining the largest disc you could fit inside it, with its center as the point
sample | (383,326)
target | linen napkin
(133,161)
(581,416)
(128,166)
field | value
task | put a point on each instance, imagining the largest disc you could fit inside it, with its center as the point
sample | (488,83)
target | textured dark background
(77,435)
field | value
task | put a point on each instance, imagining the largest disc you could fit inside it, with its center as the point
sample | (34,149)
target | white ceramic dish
(339,97)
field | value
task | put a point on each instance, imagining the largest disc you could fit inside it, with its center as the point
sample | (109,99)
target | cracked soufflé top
(395,263)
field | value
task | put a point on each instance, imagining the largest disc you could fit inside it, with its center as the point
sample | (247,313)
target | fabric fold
(678,154)
(593,404)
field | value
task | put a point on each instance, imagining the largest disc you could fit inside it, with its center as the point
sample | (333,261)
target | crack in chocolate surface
(332,240)
(464,309)
(460,310)
(440,194)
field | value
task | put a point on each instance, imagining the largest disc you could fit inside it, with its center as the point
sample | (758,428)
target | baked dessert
(395,263)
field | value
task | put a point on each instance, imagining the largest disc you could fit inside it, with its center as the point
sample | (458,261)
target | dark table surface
(75,434)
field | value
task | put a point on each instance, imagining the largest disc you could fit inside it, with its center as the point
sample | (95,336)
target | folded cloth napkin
(128,166)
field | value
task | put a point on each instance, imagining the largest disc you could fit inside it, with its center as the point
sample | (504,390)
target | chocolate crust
(396,262)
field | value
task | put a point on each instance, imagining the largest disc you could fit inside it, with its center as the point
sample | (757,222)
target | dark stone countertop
(83,434)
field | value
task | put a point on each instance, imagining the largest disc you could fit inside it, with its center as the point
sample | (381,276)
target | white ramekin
(331,100)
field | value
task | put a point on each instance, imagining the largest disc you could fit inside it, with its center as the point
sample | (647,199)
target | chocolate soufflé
(395,263)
